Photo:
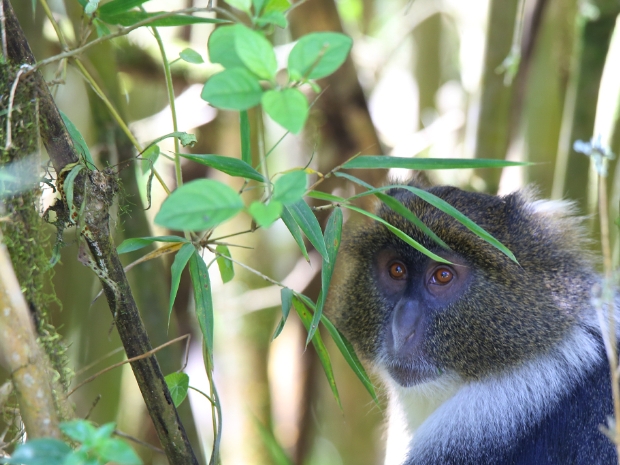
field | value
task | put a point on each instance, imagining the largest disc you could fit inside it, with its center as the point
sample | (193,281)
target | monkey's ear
(420,180)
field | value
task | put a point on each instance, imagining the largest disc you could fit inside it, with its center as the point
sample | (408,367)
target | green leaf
(349,355)
(117,451)
(39,451)
(201,284)
(185,138)
(221,46)
(191,56)
(178,385)
(243,5)
(180,261)
(227,272)
(450,210)
(409,216)
(385,162)
(101,28)
(228,165)
(287,107)
(304,217)
(290,223)
(119,6)
(333,233)
(318,55)
(398,233)
(255,52)
(137,243)
(199,205)
(130,18)
(103,433)
(79,430)
(78,141)
(319,346)
(277,453)
(233,89)
(265,215)
(290,187)
(68,186)
(258,6)
(274,5)
(246,147)
(273,17)
(286,295)
(327,197)
(149,157)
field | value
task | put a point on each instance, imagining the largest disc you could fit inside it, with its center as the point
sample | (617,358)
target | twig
(129,360)
(138,441)
(10,108)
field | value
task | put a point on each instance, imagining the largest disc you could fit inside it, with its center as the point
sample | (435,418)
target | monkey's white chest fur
(450,413)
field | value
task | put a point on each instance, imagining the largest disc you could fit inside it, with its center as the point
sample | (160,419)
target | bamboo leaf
(385,162)
(304,217)
(290,223)
(137,243)
(228,165)
(201,284)
(178,265)
(286,295)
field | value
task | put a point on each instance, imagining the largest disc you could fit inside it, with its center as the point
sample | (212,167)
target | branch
(92,197)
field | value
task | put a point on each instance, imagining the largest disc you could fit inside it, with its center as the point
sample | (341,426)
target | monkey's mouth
(407,373)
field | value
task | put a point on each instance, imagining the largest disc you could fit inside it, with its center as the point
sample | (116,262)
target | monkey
(484,360)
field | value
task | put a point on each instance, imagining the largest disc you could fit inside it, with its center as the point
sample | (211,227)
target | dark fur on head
(510,313)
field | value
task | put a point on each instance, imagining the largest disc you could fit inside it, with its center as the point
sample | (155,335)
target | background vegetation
(504,79)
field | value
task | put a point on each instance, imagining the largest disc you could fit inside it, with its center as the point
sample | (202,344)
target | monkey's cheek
(408,374)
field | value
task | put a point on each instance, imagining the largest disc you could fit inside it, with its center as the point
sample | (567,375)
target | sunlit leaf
(178,385)
(198,205)
(221,46)
(191,56)
(255,52)
(318,55)
(243,5)
(287,107)
(227,271)
(233,89)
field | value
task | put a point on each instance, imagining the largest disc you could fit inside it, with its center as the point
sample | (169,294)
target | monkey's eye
(397,270)
(442,276)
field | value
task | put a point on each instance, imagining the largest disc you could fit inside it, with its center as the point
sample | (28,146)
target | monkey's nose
(405,322)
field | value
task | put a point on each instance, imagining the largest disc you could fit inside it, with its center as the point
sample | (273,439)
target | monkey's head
(417,318)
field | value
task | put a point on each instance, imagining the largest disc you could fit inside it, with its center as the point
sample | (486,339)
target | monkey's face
(417,289)
(417,318)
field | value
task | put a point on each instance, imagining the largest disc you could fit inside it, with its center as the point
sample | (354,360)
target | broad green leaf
(119,6)
(228,165)
(275,5)
(221,46)
(104,432)
(290,187)
(137,243)
(290,223)
(287,107)
(243,5)
(319,346)
(327,197)
(130,18)
(318,55)
(178,385)
(265,215)
(246,148)
(199,205)
(227,272)
(273,17)
(201,284)
(149,157)
(233,89)
(255,52)
(68,186)
(39,451)
(398,233)
(101,28)
(117,451)
(450,210)
(78,141)
(78,430)
(409,216)
(258,6)
(178,265)
(277,453)
(305,219)
(333,233)
(385,162)
(191,56)
(185,138)
(286,296)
